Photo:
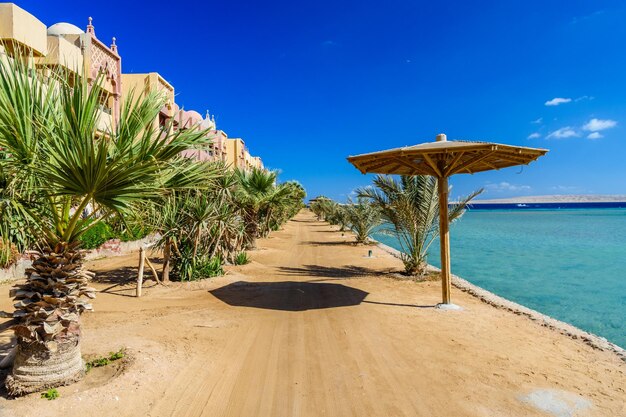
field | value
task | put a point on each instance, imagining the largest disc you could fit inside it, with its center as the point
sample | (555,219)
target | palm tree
(256,188)
(278,204)
(322,207)
(410,209)
(61,165)
(362,217)
(291,194)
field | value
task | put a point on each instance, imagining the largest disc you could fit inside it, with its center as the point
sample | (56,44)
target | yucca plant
(362,217)
(242,258)
(410,211)
(254,195)
(70,177)
(208,268)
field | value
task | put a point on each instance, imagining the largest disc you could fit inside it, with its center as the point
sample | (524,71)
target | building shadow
(289,295)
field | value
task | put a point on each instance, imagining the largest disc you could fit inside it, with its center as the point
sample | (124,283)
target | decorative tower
(90,28)
(114,46)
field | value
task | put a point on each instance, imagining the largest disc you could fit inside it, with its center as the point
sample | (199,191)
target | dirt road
(313,327)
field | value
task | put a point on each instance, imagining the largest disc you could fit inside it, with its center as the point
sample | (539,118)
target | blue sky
(308,83)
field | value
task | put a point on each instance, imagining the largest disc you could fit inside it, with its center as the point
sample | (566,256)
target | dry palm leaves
(54,295)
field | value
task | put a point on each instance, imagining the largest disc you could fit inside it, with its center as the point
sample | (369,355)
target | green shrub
(242,258)
(208,268)
(51,394)
(8,253)
(190,268)
(133,233)
(96,236)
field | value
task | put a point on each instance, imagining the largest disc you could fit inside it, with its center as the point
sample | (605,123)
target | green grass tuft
(51,394)
(104,360)
(242,258)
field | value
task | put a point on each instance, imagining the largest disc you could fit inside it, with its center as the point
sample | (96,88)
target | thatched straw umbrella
(442,159)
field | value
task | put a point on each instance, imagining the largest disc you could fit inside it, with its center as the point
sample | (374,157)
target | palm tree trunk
(252,230)
(48,307)
(37,369)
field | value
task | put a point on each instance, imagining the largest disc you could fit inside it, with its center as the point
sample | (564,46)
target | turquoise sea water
(569,264)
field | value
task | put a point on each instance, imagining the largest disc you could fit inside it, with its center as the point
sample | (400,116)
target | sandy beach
(313,327)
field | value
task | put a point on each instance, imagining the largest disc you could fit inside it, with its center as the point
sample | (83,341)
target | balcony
(62,52)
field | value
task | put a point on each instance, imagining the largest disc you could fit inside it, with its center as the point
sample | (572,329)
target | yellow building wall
(256,162)
(62,52)
(140,84)
(235,157)
(143,83)
(19,25)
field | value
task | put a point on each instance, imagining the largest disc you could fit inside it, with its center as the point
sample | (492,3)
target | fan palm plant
(255,190)
(410,211)
(362,216)
(63,166)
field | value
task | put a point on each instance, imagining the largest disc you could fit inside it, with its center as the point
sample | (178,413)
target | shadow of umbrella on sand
(289,295)
(441,159)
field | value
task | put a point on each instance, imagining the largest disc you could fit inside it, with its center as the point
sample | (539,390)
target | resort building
(238,156)
(235,153)
(137,85)
(67,46)
(257,162)
(219,144)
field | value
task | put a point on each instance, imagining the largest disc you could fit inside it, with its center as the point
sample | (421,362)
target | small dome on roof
(192,114)
(63,28)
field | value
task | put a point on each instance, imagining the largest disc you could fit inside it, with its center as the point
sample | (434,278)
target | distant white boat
(522,205)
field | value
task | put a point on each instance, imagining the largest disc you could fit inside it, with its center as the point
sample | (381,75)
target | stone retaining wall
(112,247)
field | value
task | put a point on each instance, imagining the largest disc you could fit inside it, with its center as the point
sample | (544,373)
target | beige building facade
(134,86)
(68,47)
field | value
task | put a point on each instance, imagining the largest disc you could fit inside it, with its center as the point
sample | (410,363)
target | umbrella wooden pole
(444,239)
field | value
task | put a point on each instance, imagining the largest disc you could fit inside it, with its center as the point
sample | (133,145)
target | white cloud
(505,186)
(595,125)
(563,133)
(581,98)
(538,121)
(557,100)
(595,135)
(534,136)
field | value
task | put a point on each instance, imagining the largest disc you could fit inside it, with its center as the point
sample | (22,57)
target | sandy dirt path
(312,327)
